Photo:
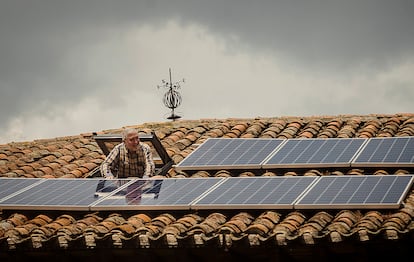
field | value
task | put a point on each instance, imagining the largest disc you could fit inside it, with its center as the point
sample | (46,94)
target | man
(129,158)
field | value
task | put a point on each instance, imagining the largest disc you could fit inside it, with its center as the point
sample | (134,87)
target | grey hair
(128,131)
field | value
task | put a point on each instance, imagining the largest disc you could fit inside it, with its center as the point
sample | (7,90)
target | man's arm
(110,161)
(149,161)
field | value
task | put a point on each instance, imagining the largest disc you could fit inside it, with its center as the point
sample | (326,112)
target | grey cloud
(44,44)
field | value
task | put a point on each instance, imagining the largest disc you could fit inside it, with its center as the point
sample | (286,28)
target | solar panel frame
(356,192)
(173,194)
(62,194)
(386,152)
(315,153)
(255,193)
(230,153)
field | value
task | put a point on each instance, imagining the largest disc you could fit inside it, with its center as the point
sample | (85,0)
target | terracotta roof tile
(76,156)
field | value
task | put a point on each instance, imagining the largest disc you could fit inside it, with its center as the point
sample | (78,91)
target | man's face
(132,141)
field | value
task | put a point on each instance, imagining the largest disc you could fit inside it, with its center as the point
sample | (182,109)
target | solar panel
(229,153)
(255,193)
(62,194)
(157,194)
(301,153)
(386,152)
(11,186)
(335,192)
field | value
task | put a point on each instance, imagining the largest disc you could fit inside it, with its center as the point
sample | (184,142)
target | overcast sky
(70,67)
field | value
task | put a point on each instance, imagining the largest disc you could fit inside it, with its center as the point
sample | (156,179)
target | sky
(72,67)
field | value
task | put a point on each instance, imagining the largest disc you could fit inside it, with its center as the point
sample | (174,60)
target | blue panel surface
(11,186)
(335,192)
(51,194)
(387,151)
(157,194)
(332,152)
(255,193)
(231,153)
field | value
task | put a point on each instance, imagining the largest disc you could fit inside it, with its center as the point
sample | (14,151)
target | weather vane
(172,99)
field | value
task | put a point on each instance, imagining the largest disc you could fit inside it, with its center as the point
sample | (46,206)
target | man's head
(130,138)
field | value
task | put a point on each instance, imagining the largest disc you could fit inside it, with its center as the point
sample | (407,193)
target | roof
(232,234)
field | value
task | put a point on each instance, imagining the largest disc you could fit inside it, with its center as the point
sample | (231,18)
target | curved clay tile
(74,231)
(241,127)
(290,173)
(247,174)
(337,173)
(313,227)
(396,223)
(173,138)
(264,223)
(220,129)
(327,133)
(209,225)
(222,173)
(269,134)
(153,230)
(89,166)
(163,220)
(254,130)
(196,132)
(274,128)
(380,172)
(370,223)
(406,128)
(385,134)
(402,172)
(178,229)
(205,230)
(178,174)
(390,129)
(356,172)
(306,134)
(183,143)
(232,134)
(342,225)
(313,172)
(19,234)
(286,229)
(346,132)
(236,224)
(269,173)
(374,219)
(289,132)
(177,158)
(247,135)
(44,233)
(126,230)
(201,174)
(192,137)
(366,133)
(12,221)
(290,223)
(100,230)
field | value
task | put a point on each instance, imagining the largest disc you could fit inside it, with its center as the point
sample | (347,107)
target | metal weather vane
(172,98)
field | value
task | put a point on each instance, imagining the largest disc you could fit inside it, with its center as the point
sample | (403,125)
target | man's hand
(109,176)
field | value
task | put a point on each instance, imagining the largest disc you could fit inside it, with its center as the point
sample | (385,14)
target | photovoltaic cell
(11,186)
(335,192)
(332,152)
(157,194)
(229,153)
(255,193)
(62,194)
(386,152)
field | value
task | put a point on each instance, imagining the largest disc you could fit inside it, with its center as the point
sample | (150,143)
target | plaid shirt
(122,163)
